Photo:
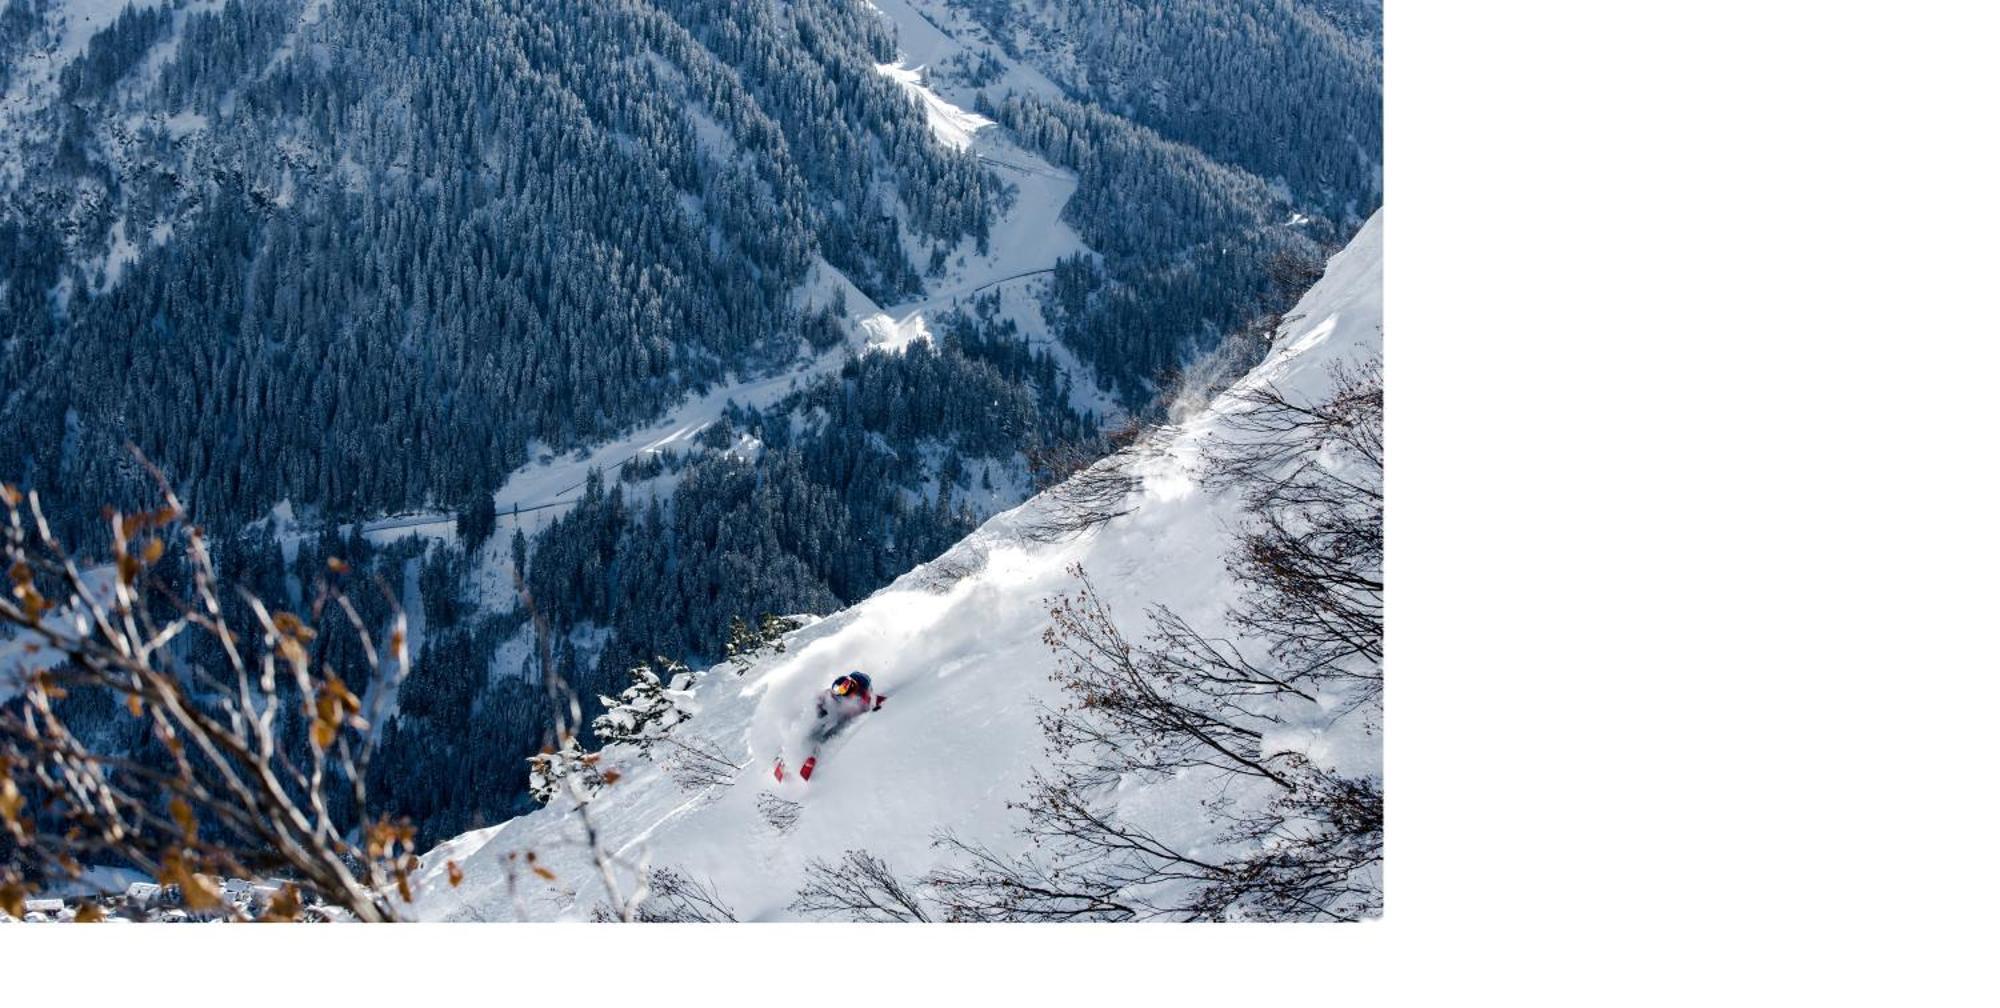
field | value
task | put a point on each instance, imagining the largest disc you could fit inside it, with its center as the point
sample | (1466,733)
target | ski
(805,769)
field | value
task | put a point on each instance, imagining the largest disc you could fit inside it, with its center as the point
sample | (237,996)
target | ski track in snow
(961,661)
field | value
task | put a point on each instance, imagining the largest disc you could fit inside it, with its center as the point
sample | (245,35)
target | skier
(849,697)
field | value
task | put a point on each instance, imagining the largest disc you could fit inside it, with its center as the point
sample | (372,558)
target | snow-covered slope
(957,646)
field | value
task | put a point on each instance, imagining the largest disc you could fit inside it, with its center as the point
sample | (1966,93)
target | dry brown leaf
(284,906)
(11,801)
(14,899)
(33,602)
(197,892)
(184,816)
(453,873)
(291,626)
(88,913)
(341,694)
(45,684)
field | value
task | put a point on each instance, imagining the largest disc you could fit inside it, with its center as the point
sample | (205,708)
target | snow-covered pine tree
(746,645)
(547,770)
(653,704)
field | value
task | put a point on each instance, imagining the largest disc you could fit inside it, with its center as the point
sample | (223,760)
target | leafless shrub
(1292,839)
(238,791)
(994,888)
(1052,463)
(233,798)
(1138,712)
(673,898)
(1310,854)
(782,815)
(1292,273)
(957,564)
(1092,496)
(1311,559)
(695,762)
(1081,489)
(1273,443)
(1306,842)
(1316,850)
(860,888)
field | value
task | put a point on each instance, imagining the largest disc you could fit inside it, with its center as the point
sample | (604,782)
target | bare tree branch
(860,888)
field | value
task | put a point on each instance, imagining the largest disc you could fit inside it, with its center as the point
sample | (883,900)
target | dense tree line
(412,237)
(1185,244)
(1286,89)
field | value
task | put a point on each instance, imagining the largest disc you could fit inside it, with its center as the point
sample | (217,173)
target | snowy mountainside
(957,647)
(1201,72)
(670,313)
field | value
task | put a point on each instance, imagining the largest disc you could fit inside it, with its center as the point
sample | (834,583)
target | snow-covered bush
(747,645)
(657,700)
(645,718)
(550,773)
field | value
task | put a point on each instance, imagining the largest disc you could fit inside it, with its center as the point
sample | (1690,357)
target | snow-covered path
(1027,240)
(1032,235)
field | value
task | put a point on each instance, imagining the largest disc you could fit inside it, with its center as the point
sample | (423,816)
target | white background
(1691,358)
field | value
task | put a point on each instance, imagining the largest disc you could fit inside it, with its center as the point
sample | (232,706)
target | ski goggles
(843,687)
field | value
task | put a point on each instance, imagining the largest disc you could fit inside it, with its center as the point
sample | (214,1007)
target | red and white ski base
(805,770)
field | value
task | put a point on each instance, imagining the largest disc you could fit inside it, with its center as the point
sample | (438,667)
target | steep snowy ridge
(957,647)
